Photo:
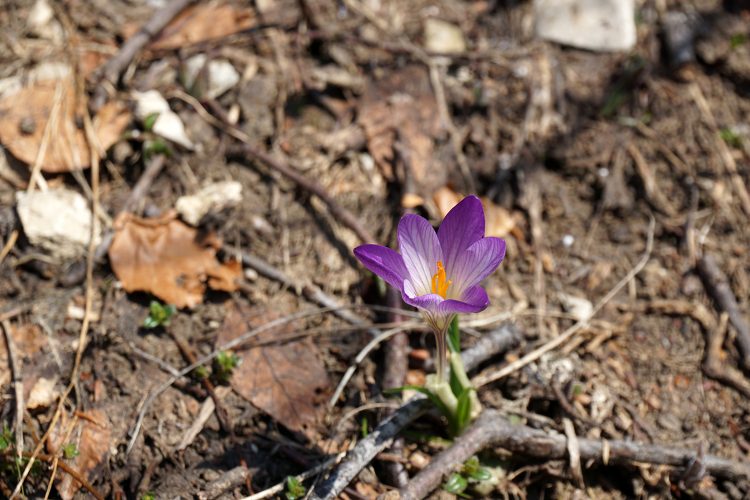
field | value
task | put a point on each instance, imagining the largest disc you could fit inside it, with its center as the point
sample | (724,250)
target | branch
(493,429)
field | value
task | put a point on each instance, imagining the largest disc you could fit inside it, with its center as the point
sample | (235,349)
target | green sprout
(158,315)
(224,364)
(294,488)
(471,473)
(200,373)
(156,146)
(70,451)
(731,137)
(737,40)
(6,438)
(474,470)
(150,121)
(149,495)
(456,484)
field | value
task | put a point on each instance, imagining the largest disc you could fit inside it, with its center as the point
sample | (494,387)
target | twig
(655,195)
(714,365)
(726,155)
(8,245)
(229,480)
(492,429)
(15,367)
(112,69)
(41,154)
(385,433)
(485,378)
(717,285)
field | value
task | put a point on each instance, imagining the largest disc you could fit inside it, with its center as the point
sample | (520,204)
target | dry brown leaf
(400,112)
(200,22)
(24,116)
(499,222)
(164,257)
(95,433)
(286,380)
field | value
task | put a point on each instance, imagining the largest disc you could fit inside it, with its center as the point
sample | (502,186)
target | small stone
(27,125)
(211,199)
(443,37)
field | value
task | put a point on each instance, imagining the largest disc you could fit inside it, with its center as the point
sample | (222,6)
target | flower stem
(441,364)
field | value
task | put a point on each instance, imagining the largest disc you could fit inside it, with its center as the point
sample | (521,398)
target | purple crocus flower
(439,273)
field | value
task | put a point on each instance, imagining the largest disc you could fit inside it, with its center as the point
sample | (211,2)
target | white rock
(221,75)
(578,307)
(211,199)
(443,37)
(58,221)
(42,22)
(43,394)
(600,25)
(167,124)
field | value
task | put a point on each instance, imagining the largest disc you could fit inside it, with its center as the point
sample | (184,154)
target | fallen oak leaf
(165,257)
(286,380)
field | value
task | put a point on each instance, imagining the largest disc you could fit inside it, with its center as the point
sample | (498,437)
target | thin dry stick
(9,245)
(95,149)
(487,377)
(726,155)
(112,69)
(493,429)
(15,367)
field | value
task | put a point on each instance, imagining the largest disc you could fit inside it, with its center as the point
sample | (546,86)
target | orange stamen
(439,282)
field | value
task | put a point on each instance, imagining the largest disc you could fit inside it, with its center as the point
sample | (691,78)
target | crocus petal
(384,262)
(462,227)
(473,300)
(476,263)
(420,250)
